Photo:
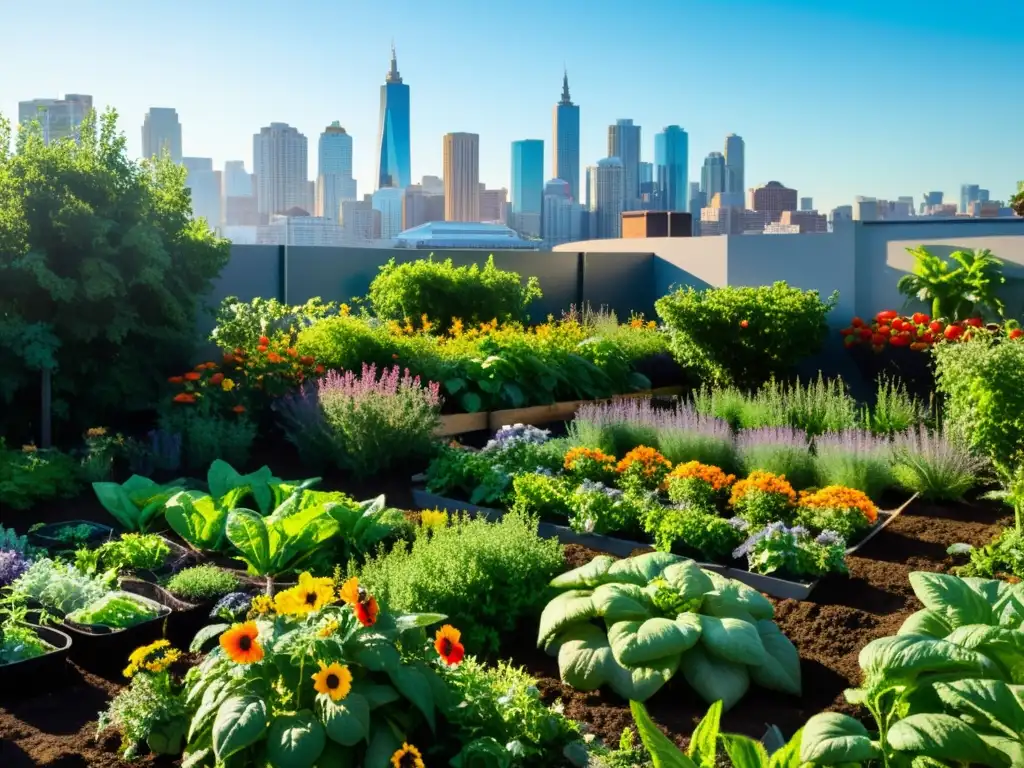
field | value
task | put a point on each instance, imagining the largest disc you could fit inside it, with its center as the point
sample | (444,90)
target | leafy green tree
(959,288)
(102,270)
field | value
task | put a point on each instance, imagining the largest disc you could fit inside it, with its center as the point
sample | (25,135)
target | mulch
(843,614)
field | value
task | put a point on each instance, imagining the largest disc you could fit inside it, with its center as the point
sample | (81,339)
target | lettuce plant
(633,624)
(945,689)
(138,503)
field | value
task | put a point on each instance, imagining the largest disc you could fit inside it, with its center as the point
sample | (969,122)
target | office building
(624,143)
(566,148)
(671,149)
(420,206)
(461,177)
(772,199)
(388,201)
(712,175)
(58,118)
(607,198)
(968,194)
(734,170)
(298,228)
(562,216)
(806,221)
(527,187)
(280,162)
(238,193)
(394,168)
(204,185)
(806,203)
(464,235)
(493,205)
(432,185)
(161,132)
(359,220)
(334,182)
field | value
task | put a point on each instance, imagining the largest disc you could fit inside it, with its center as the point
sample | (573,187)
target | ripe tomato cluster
(917,331)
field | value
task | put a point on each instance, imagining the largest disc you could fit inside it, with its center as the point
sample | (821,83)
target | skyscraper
(161,132)
(204,185)
(461,177)
(624,143)
(395,166)
(562,215)
(806,203)
(334,182)
(280,162)
(968,194)
(772,199)
(566,149)
(607,198)
(671,149)
(527,186)
(388,201)
(712,175)
(58,118)
(734,176)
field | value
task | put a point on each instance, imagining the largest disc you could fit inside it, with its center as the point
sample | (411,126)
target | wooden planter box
(769,585)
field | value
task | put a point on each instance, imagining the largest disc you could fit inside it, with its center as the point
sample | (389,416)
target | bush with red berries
(919,331)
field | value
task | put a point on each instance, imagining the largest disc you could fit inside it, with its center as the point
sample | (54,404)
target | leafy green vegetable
(138,503)
(116,610)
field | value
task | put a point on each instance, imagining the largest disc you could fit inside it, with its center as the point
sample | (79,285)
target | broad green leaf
(377,653)
(116,501)
(926,622)
(411,682)
(247,532)
(482,752)
(620,602)
(951,597)
(1005,646)
(988,704)
(903,657)
(336,756)
(1012,747)
(385,740)
(736,600)
(714,679)
(207,633)
(412,620)
(589,575)
(195,759)
(241,721)
(688,579)
(780,670)
(664,754)
(744,752)
(704,739)
(830,738)
(635,643)
(642,569)
(376,695)
(788,756)
(346,722)
(732,640)
(295,740)
(943,737)
(212,697)
(586,662)
(564,610)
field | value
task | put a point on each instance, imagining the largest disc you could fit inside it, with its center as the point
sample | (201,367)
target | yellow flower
(765,482)
(328,629)
(333,680)
(29,448)
(345,310)
(227,385)
(96,432)
(262,604)
(155,657)
(841,498)
(651,324)
(435,518)
(407,757)
(308,596)
(456,329)
(425,322)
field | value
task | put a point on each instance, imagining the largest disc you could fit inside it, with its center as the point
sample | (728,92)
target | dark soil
(843,614)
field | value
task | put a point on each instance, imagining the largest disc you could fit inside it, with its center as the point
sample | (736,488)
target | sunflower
(333,680)
(240,643)
(308,596)
(447,645)
(407,757)
(363,603)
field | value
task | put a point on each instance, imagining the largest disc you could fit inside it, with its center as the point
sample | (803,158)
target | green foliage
(693,529)
(240,324)
(983,397)
(633,624)
(958,288)
(30,476)
(101,264)
(202,583)
(484,576)
(129,552)
(18,641)
(116,610)
(542,496)
(933,464)
(58,587)
(138,503)
(895,409)
(745,336)
(207,436)
(1017,201)
(148,711)
(444,292)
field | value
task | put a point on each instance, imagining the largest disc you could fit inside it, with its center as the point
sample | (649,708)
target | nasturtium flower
(240,643)
(192,376)
(447,645)
(363,603)
(333,680)
(308,596)
(407,757)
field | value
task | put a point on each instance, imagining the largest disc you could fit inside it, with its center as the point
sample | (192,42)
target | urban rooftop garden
(425,528)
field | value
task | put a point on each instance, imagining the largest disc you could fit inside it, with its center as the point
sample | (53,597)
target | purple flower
(830,539)
(851,442)
(776,437)
(12,565)
(512,434)
(799,530)
(639,412)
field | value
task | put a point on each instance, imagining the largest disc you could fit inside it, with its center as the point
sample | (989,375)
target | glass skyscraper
(566,151)
(527,185)
(671,149)
(395,168)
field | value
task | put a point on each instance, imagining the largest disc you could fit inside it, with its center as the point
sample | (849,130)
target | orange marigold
(650,460)
(763,481)
(840,497)
(710,474)
(273,357)
(575,454)
(192,376)
(184,397)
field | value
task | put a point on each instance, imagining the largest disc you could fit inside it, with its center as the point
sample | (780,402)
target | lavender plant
(779,450)
(364,423)
(854,458)
(12,564)
(794,551)
(615,427)
(929,462)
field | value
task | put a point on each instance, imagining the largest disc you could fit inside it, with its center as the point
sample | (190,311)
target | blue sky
(864,97)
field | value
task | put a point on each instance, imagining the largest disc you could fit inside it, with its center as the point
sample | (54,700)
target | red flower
(217,378)
(1016,333)
(366,611)
(239,409)
(264,341)
(273,357)
(953,332)
(192,376)
(856,322)
(865,333)
(176,379)
(307,360)
(228,358)
(920,318)
(184,397)
(292,352)
(447,645)
(744,323)
(261,348)
(974,322)
(886,315)
(320,369)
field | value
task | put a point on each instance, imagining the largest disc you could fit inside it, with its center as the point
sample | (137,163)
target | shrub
(444,292)
(643,469)
(207,436)
(31,475)
(793,551)
(930,463)
(779,450)
(240,324)
(202,583)
(843,510)
(745,335)
(855,459)
(541,495)
(895,409)
(363,423)
(485,577)
(345,342)
(698,485)
(763,498)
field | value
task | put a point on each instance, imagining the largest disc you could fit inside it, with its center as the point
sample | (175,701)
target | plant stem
(270,585)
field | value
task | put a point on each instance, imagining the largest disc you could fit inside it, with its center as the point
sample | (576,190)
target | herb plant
(202,583)
(31,475)
(130,552)
(18,641)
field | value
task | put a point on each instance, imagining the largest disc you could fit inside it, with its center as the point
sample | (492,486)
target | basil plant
(633,624)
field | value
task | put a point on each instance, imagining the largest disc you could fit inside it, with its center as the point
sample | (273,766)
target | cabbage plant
(633,624)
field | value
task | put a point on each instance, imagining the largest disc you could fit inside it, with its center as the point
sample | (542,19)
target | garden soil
(842,615)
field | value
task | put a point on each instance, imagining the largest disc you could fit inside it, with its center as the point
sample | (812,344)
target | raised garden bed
(42,673)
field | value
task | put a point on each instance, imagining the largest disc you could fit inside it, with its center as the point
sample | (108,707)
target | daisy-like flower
(262,605)
(363,603)
(240,643)
(407,757)
(447,645)
(333,680)
(328,629)
(308,596)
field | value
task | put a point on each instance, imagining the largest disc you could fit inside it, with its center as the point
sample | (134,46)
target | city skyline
(815,140)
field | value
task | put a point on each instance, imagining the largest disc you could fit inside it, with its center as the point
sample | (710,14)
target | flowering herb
(643,468)
(12,565)
(793,552)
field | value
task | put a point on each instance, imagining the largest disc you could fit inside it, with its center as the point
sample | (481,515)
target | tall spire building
(566,154)
(395,167)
